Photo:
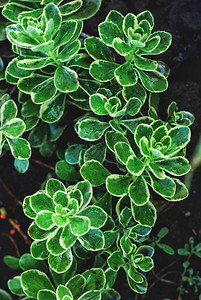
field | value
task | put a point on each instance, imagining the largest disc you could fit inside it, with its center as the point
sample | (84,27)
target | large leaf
(65,80)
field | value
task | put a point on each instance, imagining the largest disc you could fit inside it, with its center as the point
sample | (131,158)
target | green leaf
(143,130)
(44,91)
(62,262)
(4,295)
(65,33)
(126,75)
(15,286)
(12,262)
(76,285)
(145,264)
(96,215)
(27,262)
(97,49)
(8,111)
(72,153)
(13,70)
(91,129)
(144,63)
(41,201)
(128,92)
(79,225)
(20,148)
(103,70)
(166,248)
(153,81)
(39,250)
(180,137)
(87,10)
(133,106)
(96,152)
(27,84)
(114,137)
(44,219)
(12,10)
(94,172)
(146,15)
(65,80)
(95,279)
(115,17)
(53,185)
(145,214)
(66,171)
(97,103)
(180,193)
(33,63)
(115,260)
(51,11)
(117,185)
(175,166)
(123,151)
(165,187)
(135,166)
(93,240)
(46,294)
(53,245)
(91,295)
(67,239)
(33,281)
(139,192)
(130,21)
(86,190)
(70,7)
(121,47)
(137,287)
(68,52)
(13,128)
(52,110)
(163,45)
(29,212)
(109,31)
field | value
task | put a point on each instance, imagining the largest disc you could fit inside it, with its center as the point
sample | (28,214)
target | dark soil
(182,18)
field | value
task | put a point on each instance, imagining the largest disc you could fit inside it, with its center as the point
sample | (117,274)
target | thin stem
(10,193)
(42,164)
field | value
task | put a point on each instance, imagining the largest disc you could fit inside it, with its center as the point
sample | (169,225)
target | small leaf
(15,286)
(126,75)
(97,103)
(97,49)
(33,281)
(121,47)
(115,260)
(53,185)
(109,31)
(96,152)
(91,129)
(153,81)
(166,248)
(96,215)
(164,187)
(12,262)
(62,262)
(65,80)
(118,185)
(135,166)
(145,214)
(114,137)
(20,148)
(94,172)
(164,44)
(8,111)
(79,225)
(95,279)
(139,191)
(44,91)
(103,70)
(13,128)
(52,110)
(66,171)
(93,240)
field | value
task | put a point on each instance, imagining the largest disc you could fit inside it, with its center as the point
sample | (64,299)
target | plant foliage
(101,209)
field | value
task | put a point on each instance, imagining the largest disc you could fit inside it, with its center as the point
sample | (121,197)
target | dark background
(182,18)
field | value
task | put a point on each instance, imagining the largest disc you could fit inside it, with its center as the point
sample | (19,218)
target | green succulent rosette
(36,284)
(131,37)
(62,218)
